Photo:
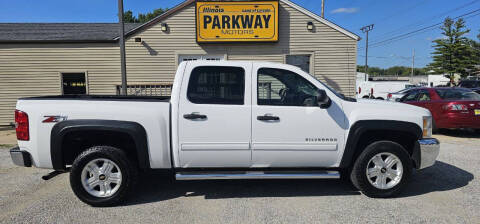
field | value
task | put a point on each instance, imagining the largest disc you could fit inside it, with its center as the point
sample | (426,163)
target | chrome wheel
(384,171)
(101,178)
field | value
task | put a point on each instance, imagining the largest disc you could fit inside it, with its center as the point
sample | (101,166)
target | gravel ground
(448,192)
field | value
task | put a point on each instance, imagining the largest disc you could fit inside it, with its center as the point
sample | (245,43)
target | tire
(393,186)
(380,98)
(119,175)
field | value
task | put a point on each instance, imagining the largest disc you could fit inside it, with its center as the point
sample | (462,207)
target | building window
(74,83)
(217,85)
(301,61)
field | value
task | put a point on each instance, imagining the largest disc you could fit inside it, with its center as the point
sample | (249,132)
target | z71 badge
(54,119)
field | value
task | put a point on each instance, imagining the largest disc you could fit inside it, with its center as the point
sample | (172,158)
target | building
(53,59)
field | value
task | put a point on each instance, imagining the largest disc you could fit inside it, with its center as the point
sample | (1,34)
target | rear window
(217,85)
(457,94)
(469,84)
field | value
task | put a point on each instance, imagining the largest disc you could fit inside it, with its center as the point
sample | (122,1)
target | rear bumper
(426,152)
(20,158)
(459,120)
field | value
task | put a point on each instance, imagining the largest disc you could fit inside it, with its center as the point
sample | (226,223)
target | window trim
(311,60)
(203,66)
(257,93)
(85,73)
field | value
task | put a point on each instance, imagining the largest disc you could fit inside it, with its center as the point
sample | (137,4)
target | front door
(214,116)
(289,129)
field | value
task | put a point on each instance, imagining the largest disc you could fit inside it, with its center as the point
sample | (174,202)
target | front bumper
(426,152)
(20,158)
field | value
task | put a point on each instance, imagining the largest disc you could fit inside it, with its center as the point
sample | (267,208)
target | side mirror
(323,100)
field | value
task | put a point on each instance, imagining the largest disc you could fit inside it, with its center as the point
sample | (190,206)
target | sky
(391,18)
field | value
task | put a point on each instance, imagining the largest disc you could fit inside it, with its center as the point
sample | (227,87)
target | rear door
(214,116)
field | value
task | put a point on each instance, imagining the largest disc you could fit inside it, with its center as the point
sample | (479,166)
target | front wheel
(102,176)
(382,169)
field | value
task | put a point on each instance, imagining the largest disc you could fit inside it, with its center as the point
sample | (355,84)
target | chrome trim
(429,150)
(257,175)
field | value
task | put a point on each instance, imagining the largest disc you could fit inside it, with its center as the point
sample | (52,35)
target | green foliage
(128,16)
(453,53)
(392,71)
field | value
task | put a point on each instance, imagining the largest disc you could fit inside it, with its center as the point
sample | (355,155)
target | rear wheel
(382,169)
(102,176)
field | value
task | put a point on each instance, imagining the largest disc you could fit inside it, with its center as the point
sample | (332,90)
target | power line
(429,29)
(418,23)
(406,35)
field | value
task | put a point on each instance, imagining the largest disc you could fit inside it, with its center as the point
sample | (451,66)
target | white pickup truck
(225,120)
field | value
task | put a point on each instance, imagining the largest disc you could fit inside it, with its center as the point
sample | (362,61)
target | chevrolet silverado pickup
(225,120)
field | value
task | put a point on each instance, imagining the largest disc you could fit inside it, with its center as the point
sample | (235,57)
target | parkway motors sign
(255,21)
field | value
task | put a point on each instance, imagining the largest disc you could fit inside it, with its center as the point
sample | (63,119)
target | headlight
(427,127)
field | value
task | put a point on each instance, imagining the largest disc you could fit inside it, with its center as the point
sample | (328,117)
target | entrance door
(215,116)
(289,129)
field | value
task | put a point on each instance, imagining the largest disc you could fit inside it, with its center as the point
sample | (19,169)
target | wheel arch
(362,133)
(130,131)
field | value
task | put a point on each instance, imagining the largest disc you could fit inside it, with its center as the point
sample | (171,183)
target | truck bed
(101,97)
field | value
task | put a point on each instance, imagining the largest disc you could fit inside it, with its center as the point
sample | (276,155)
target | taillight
(389,96)
(359,90)
(21,125)
(455,107)
(371,91)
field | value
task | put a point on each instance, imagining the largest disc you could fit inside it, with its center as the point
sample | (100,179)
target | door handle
(268,117)
(194,116)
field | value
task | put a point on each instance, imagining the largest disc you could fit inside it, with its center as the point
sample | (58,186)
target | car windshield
(404,90)
(458,94)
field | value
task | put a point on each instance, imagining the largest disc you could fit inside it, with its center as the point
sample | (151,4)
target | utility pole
(323,8)
(413,63)
(123,65)
(366,29)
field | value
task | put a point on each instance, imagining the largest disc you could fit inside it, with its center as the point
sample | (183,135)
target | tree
(128,16)
(453,53)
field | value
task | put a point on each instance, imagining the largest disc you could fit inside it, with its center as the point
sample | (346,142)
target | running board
(257,175)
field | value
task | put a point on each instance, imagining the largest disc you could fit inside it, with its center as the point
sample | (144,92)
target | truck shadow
(440,177)
(158,186)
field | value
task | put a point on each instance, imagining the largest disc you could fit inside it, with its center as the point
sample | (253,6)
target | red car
(450,107)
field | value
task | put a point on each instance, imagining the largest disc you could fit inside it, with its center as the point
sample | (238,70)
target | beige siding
(34,69)
(333,53)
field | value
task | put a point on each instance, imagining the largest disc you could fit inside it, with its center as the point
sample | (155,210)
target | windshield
(458,94)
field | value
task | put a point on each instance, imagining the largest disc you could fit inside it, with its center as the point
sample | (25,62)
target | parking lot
(448,192)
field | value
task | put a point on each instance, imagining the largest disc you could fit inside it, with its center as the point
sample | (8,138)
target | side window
(217,85)
(284,88)
(412,96)
(424,96)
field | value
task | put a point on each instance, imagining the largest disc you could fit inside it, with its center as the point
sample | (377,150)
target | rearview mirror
(323,100)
